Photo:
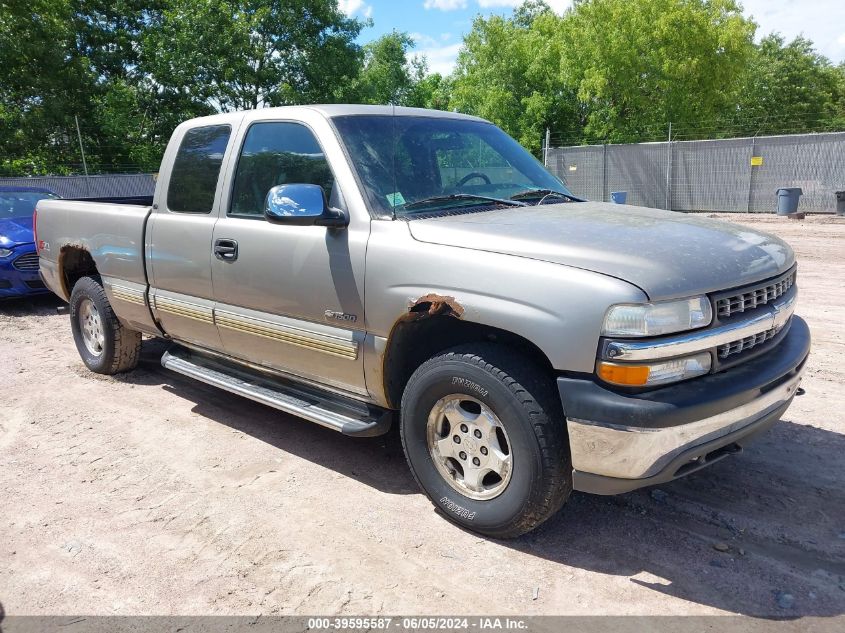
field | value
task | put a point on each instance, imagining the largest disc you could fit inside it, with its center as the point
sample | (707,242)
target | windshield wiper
(419,204)
(528,194)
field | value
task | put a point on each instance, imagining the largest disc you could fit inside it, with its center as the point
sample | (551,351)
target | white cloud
(445,5)
(427,41)
(351,7)
(441,59)
(820,20)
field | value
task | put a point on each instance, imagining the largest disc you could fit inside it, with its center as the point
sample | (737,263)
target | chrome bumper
(640,452)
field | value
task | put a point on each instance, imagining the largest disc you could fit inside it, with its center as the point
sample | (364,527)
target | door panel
(292,299)
(277,294)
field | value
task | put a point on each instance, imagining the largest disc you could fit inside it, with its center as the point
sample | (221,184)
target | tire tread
(532,389)
(126,342)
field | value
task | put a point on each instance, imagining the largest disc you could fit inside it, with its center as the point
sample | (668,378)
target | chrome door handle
(226,249)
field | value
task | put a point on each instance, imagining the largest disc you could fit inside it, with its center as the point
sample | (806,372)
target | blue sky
(438,25)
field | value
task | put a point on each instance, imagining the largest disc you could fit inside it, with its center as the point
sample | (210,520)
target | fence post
(669,170)
(604,172)
(750,169)
(82,151)
(547,141)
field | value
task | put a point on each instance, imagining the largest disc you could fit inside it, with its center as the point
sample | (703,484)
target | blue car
(18,258)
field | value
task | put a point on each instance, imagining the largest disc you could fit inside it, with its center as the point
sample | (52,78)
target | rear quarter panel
(113,234)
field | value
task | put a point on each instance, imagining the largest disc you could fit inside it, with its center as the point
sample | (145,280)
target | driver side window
(276,153)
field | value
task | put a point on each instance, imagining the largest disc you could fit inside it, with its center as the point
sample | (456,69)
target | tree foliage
(789,88)
(392,74)
(621,71)
(508,72)
(637,66)
(238,54)
(605,70)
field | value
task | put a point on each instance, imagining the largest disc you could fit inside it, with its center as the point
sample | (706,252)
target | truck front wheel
(484,435)
(104,343)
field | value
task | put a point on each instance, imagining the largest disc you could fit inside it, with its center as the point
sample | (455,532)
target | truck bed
(112,233)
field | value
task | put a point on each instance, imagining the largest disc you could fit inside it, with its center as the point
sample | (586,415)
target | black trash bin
(840,203)
(788,200)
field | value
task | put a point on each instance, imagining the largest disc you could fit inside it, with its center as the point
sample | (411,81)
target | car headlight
(654,319)
(5,252)
(650,374)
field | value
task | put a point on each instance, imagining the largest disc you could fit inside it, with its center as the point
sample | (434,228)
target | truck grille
(743,344)
(28,262)
(754,296)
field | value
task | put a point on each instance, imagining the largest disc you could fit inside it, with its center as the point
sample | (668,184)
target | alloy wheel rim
(469,447)
(91,326)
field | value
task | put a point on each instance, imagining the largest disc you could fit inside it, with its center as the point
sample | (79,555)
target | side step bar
(348,416)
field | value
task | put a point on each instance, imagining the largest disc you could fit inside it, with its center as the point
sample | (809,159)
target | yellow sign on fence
(756,161)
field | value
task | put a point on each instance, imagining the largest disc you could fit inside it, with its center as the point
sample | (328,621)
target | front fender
(557,308)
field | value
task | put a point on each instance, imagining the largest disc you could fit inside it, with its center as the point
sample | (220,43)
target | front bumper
(19,283)
(623,441)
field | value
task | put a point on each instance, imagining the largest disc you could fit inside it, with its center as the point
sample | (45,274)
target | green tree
(508,71)
(789,88)
(238,54)
(431,91)
(387,75)
(637,65)
(42,85)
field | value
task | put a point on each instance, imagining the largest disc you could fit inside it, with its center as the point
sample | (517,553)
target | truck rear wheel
(485,437)
(104,343)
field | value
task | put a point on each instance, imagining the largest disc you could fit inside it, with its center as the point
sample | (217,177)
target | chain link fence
(100,186)
(736,175)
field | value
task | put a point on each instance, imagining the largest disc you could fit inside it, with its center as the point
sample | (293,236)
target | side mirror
(301,205)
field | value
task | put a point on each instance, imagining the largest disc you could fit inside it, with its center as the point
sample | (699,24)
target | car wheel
(104,343)
(485,437)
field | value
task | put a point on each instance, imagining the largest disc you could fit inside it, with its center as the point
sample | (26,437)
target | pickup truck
(358,266)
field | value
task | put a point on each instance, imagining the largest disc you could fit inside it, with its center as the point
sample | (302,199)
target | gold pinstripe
(130,295)
(300,338)
(183,309)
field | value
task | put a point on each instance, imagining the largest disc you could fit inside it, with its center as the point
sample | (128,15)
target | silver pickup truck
(356,265)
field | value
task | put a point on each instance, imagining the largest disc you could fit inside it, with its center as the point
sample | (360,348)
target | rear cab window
(193,178)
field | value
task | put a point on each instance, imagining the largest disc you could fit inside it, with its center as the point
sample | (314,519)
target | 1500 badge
(341,316)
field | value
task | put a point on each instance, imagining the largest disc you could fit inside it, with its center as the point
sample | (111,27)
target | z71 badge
(341,316)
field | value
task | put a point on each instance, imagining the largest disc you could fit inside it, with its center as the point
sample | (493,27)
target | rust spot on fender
(434,304)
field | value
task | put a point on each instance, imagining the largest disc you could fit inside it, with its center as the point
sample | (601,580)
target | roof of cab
(336,109)
(330,111)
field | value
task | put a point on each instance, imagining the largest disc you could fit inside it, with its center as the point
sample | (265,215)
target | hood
(666,254)
(14,231)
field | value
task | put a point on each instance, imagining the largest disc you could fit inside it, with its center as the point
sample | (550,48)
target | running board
(339,413)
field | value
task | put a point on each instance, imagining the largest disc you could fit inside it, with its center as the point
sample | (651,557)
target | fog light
(654,373)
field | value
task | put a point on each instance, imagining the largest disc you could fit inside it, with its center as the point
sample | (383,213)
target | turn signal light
(659,373)
(631,375)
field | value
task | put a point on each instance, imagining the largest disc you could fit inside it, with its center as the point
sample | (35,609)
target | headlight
(654,319)
(5,252)
(651,374)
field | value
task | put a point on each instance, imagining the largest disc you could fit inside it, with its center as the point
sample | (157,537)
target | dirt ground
(149,493)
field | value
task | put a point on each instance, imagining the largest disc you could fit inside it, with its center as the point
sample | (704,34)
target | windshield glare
(437,157)
(20,204)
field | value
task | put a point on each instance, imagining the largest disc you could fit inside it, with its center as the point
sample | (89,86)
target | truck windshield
(20,204)
(409,164)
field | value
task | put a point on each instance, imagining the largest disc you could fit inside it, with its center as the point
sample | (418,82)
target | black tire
(121,346)
(523,398)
